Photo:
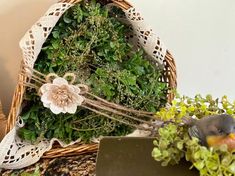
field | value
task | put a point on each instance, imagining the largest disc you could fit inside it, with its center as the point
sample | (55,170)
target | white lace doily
(15,153)
(145,37)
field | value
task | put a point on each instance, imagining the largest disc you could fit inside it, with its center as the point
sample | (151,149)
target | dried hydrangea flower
(60,96)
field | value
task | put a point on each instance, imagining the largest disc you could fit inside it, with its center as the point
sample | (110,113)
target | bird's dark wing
(194,132)
(197,133)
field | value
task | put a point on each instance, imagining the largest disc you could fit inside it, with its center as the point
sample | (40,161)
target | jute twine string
(94,103)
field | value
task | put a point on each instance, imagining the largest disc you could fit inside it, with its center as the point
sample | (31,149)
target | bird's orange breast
(216,141)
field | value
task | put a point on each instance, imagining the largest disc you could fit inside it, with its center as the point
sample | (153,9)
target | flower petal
(46,105)
(79,99)
(45,97)
(60,81)
(49,89)
(74,89)
(55,109)
(71,109)
(45,87)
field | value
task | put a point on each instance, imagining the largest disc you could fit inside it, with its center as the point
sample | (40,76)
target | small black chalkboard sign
(130,156)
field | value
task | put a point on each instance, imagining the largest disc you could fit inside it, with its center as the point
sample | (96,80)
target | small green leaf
(199,165)
(232,167)
(156,153)
(67,19)
(55,34)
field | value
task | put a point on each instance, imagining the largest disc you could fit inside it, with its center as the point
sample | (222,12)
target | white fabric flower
(59,96)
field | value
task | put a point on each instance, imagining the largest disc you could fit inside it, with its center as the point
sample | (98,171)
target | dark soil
(83,165)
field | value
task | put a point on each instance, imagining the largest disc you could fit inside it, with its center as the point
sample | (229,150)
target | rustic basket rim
(169,77)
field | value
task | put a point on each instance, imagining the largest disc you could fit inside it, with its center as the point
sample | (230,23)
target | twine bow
(90,101)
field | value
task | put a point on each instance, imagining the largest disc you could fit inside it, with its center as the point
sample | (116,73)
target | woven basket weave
(2,116)
(2,121)
(169,77)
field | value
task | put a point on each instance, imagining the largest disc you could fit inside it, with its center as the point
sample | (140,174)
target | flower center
(62,96)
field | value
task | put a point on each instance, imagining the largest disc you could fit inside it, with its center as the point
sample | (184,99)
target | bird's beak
(232,135)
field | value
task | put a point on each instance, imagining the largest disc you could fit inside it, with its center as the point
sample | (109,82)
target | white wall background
(199,33)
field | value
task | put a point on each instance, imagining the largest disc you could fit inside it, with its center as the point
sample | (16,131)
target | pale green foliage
(174,143)
(169,145)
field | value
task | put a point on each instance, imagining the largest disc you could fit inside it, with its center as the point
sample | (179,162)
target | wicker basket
(169,77)
(2,116)
(2,122)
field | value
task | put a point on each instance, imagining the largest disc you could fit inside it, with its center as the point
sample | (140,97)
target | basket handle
(121,3)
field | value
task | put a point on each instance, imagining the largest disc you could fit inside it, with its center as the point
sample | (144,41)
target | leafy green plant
(91,43)
(173,142)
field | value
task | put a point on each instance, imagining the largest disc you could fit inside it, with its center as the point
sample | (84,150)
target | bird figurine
(214,130)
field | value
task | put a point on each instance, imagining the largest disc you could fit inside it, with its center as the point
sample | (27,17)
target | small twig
(34,77)
(87,118)
(95,104)
(121,121)
(88,129)
(35,71)
(137,112)
(26,84)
